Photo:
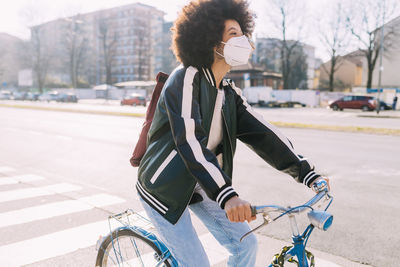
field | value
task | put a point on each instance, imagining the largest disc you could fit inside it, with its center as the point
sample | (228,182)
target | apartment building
(123,43)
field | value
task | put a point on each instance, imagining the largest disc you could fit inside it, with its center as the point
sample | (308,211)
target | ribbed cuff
(310,177)
(226,193)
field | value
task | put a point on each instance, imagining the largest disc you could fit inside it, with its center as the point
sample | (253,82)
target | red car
(134,100)
(366,103)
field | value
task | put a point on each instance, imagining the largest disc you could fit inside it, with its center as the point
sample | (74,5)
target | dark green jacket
(177,156)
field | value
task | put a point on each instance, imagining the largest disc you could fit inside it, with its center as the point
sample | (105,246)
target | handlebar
(320,186)
(288,210)
(320,219)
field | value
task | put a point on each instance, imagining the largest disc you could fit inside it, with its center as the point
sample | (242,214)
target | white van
(260,95)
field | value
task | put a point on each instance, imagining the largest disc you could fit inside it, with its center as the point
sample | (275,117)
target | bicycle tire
(147,248)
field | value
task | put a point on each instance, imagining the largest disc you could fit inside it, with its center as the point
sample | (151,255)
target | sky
(15,21)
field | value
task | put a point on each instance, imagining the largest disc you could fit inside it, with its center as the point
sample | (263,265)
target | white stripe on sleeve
(190,128)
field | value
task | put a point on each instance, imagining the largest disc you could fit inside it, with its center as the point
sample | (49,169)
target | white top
(216,129)
(216,134)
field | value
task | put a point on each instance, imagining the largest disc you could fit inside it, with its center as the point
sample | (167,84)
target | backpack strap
(141,145)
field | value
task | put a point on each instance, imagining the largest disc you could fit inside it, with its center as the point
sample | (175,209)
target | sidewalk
(113,107)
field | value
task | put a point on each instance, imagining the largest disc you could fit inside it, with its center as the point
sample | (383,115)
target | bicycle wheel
(124,247)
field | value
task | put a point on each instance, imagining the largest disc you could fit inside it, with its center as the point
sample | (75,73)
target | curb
(379,116)
(337,128)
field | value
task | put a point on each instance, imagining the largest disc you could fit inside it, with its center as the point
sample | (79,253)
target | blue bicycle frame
(298,250)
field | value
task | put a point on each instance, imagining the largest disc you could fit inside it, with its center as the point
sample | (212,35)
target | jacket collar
(210,77)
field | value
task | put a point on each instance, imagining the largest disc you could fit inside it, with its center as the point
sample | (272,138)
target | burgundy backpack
(141,145)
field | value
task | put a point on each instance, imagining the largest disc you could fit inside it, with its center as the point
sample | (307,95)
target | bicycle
(136,244)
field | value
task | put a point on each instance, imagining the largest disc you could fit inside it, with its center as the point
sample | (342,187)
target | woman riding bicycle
(192,139)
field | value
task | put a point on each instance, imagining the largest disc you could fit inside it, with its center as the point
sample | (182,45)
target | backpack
(141,145)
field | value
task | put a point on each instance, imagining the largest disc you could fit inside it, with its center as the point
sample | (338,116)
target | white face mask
(237,51)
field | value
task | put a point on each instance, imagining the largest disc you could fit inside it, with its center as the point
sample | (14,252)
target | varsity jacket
(177,157)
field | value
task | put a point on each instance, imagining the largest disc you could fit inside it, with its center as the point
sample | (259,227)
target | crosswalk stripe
(5,169)
(20,179)
(56,209)
(52,245)
(37,191)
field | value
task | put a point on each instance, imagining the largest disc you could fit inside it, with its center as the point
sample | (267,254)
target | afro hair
(200,25)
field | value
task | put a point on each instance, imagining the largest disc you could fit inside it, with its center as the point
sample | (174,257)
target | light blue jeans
(183,241)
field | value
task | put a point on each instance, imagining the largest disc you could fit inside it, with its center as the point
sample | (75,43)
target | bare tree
(286,17)
(75,41)
(334,36)
(40,43)
(365,28)
(41,56)
(108,37)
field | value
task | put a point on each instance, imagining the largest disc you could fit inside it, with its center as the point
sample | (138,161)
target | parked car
(19,95)
(134,100)
(49,96)
(32,96)
(5,95)
(68,97)
(365,103)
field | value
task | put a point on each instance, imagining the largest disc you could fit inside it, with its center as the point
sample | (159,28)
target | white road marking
(43,247)
(56,209)
(5,169)
(37,191)
(52,245)
(20,179)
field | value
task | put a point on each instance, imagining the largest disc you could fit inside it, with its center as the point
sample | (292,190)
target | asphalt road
(91,152)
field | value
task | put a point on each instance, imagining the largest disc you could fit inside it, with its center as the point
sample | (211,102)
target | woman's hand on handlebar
(238,210)
(316,184)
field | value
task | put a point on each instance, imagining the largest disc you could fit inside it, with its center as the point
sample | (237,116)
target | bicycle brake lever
(258,227)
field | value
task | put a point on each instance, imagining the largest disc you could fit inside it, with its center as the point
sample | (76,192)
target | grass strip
(355,129)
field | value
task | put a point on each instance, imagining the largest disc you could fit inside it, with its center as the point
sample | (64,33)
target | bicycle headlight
(320,219)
